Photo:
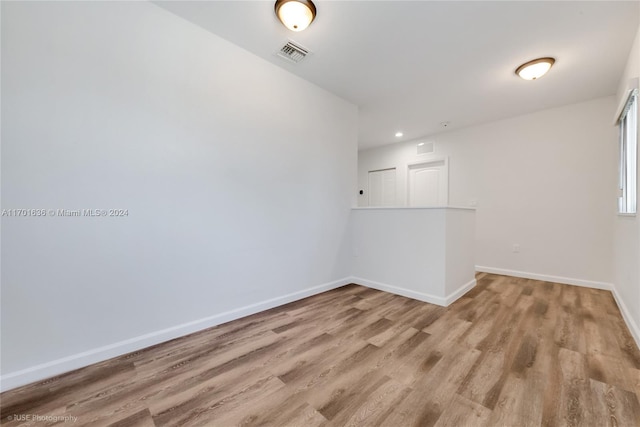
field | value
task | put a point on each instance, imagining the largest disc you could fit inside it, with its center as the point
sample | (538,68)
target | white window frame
(628,155)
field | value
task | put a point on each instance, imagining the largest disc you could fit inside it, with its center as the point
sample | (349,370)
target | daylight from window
(628,155)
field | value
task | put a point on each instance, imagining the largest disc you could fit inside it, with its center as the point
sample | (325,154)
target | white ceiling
(410,65)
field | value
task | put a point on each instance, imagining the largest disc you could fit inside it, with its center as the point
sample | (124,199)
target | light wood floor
(512,352)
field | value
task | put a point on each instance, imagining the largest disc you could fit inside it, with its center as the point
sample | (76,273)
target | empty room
(319,213)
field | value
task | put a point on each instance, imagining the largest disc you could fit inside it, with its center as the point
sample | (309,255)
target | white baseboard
(546,278)
(631,324)
(80,360)
(420,296)
(451,298)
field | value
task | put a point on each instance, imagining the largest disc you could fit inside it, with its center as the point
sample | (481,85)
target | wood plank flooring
(511,352)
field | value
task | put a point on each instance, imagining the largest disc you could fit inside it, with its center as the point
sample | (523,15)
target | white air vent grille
(293,52)
(426,148)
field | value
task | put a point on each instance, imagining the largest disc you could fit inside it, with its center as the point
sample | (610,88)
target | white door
(428,184)
(382,187)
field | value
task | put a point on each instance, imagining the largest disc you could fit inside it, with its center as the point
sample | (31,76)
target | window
(628,124)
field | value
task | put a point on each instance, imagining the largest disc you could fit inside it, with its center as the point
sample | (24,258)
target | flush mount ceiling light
(399,134)
(296,15)
(535,69)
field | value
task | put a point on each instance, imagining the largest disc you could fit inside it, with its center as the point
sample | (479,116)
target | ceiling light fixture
(399,134)
(296,15)
(535,69)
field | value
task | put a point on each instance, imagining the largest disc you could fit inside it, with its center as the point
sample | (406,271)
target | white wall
(626,253)
(421,253)
(238,192)
(544,181)
(459,249)
(401,247)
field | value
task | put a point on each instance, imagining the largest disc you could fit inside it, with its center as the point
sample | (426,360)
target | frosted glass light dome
(296,15)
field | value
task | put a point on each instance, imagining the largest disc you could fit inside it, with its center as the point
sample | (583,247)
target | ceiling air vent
(293,52)
(425,148)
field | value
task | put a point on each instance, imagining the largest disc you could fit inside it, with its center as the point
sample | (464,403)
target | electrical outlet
(516,248)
